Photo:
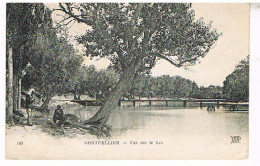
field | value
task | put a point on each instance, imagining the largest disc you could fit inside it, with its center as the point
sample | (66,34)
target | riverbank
(41,140)
(31,142)
(43,126)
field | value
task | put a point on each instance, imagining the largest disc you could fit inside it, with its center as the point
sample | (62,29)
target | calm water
(158,121)
(185,133)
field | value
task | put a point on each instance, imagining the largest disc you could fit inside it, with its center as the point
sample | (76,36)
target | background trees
(53,65)
(236,85)
(94,83)
(210,92)
(99,83)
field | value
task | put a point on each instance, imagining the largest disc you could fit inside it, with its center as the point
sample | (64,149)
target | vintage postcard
(127,81)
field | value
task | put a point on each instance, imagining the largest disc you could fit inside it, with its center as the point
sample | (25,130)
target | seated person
(58,115)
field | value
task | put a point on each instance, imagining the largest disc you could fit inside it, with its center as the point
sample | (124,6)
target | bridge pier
(217,104)
(233,108)
(184,103)
(166,103)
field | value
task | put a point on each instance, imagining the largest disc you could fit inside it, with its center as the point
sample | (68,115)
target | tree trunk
(79,97)
(15,91)
(19,92)
(75,96)
(123,85)
(46,102)
(9,86)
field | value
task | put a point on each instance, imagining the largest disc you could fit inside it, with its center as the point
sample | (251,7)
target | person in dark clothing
(58,115)
(211,107)
(29,105)
(28,101)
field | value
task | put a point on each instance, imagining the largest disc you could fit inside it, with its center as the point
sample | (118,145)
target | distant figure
(233,108)
(29,100)
(58,115)
(211,107)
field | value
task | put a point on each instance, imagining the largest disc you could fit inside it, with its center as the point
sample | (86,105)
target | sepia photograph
(136,81)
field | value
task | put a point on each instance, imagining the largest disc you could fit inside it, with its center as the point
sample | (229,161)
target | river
(192,130)
(141,132)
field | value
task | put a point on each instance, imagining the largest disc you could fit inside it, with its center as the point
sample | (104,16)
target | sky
(233,46)
(231,19)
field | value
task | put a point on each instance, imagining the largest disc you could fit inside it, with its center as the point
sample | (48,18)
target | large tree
(134,36)
(53,65)
(22,22)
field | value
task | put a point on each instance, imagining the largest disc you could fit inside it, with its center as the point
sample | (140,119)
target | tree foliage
(162,87)
(98,84)
(23,22)
(53,64)
(94,83)
(126,32)
(210,92)
(236,85)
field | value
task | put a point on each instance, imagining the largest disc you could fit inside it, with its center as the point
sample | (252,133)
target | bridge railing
(185,101)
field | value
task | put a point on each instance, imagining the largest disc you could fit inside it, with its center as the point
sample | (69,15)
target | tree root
(98,130)
(70,128)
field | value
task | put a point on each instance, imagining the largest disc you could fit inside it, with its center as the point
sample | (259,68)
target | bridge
(218,102)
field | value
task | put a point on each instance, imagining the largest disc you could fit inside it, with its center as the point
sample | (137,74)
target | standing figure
(29,100)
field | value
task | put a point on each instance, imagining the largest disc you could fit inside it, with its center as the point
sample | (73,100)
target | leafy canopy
(23,20)
(236,85)
(53,63)
(124,33)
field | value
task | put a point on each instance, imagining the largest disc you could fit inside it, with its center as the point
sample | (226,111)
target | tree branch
(133,22)
(71,14)
(169,60)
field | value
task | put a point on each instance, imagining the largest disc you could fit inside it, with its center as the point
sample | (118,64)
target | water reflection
(186,133)
(154,121)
